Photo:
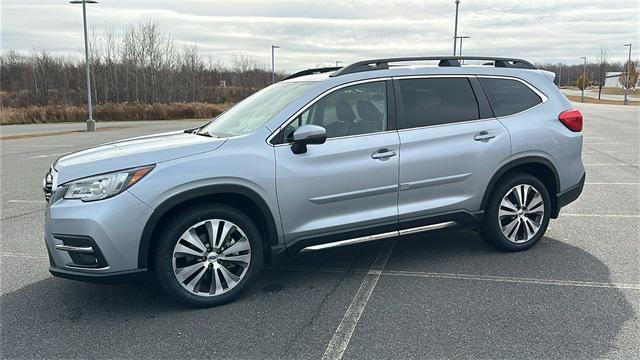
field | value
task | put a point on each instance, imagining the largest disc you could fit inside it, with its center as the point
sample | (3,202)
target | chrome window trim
(320,97)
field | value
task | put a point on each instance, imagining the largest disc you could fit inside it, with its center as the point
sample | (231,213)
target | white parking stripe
(49,155)
(509,279)
(344,332)
(24,256)
(512,279)
(41,201)
(611,183)
(604,215)
(612,164)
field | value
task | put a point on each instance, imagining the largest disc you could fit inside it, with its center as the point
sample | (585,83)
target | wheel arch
(239,196)
(537,166)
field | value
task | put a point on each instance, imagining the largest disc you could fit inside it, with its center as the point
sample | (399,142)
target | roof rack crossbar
(383,64)
(312,71)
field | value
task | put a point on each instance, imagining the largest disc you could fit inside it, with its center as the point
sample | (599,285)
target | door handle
(484,136)
(383,154)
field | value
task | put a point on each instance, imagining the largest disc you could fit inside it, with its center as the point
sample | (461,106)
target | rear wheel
(517,213)
(208,255)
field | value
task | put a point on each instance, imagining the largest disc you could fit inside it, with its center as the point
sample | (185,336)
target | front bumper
(96,241)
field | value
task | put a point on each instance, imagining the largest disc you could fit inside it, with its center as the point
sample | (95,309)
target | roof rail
(312,71)
(383,64)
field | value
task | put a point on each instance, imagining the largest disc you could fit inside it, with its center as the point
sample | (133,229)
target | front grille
(47,185)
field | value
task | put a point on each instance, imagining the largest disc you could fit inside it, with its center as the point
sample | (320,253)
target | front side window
(508,97)
(437,101)
(254,111)
(354,110)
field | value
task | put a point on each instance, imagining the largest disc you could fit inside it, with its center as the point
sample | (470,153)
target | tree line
(142,66)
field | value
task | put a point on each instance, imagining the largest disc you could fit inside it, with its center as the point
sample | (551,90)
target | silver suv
(327,157)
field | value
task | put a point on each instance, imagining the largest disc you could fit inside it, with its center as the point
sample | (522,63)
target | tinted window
(437,101)
(508,97)
(353,110)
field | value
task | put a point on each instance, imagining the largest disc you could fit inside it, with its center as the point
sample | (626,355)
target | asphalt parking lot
(574,295)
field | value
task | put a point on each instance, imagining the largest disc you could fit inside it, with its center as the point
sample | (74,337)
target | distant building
(613,79)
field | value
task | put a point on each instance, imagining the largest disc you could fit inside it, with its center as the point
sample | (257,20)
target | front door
(348,186)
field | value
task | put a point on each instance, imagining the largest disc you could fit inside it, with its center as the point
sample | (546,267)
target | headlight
(106,185)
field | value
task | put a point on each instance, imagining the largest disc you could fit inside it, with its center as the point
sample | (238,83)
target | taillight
(572,119)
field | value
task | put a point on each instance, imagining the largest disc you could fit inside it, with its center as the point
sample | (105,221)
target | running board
(386,235)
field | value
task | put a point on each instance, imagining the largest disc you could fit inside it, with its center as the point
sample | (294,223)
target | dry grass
(619,91)
(109,112)
(589,100)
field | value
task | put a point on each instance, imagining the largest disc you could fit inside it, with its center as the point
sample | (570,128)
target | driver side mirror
(307,135)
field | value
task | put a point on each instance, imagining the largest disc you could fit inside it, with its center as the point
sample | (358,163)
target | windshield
(256,110)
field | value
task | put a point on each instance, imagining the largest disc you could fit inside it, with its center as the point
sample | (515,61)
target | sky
(318,33)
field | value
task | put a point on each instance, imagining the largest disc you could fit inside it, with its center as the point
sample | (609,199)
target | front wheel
(208,254)
(517,213)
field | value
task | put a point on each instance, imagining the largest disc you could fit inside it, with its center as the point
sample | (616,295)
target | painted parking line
(612,183)
(50,155)
(510,279)
(23,256)
(611,164)
(473,277)
(41,201)
(344,332)
(603,215)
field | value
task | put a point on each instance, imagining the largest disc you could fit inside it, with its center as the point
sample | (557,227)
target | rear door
(348,186)
(450,147)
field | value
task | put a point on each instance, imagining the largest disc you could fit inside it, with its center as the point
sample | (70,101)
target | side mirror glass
(307,135)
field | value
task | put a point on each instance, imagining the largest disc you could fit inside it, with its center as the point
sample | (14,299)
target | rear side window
(436,101)
(508,97)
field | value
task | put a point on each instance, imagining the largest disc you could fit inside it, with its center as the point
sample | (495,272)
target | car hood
(129,153)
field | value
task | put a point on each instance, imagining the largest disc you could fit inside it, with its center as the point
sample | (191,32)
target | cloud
(314,33)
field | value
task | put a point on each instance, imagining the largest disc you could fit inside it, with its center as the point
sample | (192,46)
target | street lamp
(91,124)
(338,63)
(455,30)
(462,37)
(626,76)
(584,78)
(273,63)
(560,75)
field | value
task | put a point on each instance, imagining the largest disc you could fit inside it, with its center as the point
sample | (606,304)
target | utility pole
(91,123)
(455,30)
(273,63)
(584,78)
(626,76)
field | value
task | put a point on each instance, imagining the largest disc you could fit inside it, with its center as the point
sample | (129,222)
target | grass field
(109,112)
(604,102)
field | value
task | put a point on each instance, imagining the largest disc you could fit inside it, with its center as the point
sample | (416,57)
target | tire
(511,224)
(207,255)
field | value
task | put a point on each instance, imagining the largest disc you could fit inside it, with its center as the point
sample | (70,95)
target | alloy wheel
(521,213)
(211,257)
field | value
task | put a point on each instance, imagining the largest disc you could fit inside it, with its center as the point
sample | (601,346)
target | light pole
(626,76)
(91,124)
(560,75)
(455,30)
(338,63)
(462,37)
(584,78)
(273,63)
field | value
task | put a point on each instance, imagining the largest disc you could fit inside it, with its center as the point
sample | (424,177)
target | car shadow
(50,317)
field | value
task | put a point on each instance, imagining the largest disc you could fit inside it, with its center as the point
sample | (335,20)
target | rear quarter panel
(538,132)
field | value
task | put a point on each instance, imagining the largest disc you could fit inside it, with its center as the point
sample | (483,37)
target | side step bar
(386,235)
